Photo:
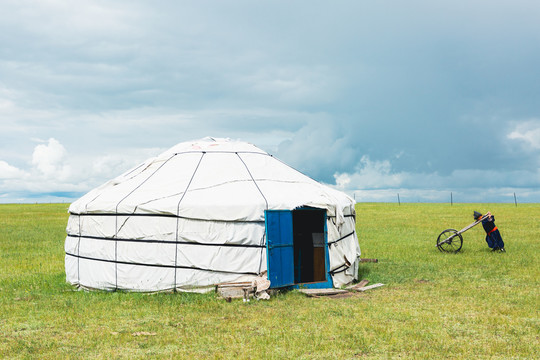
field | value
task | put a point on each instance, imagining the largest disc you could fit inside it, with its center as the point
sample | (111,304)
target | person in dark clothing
(493,237)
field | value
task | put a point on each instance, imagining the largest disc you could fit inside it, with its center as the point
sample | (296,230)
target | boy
(493,237)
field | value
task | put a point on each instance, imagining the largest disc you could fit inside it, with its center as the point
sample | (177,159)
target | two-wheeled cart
(451,241)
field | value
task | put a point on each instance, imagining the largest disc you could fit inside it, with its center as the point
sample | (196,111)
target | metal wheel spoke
(453,245)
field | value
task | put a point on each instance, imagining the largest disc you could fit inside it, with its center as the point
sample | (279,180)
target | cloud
(378,181)
(421,97)
(54,174)
(371,175)
(10,172)
(290,85)
(50,158)
(55,21)
(527,132)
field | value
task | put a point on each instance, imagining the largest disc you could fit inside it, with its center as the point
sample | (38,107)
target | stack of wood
(234,290)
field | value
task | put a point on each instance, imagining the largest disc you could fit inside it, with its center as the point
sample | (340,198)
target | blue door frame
(280,251)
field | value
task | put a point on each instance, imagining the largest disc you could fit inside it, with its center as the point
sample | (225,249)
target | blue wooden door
(280,247)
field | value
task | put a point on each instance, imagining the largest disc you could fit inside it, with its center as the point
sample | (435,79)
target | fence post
(515,199)
(451,199)
(399,201)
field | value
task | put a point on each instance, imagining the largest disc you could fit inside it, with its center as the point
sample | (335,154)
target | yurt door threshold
(297,248)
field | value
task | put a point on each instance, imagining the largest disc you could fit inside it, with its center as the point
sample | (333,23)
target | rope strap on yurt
(157,241)
(341,238)
(165,216)
(161,265)
(341,268)
(333,216)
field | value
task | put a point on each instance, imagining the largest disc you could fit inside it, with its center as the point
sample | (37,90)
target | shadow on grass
(363,272)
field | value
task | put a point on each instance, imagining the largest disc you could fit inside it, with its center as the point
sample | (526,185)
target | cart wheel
(453,245)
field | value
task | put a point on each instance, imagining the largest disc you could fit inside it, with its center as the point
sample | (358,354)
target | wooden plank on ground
(234,284)
(369,287)
(361,284)
(232,290)
(321,292)
(369,260)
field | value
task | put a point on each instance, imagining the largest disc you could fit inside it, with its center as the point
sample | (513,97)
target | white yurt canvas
(207,212)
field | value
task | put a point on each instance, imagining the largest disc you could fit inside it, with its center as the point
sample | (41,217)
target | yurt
(207,212)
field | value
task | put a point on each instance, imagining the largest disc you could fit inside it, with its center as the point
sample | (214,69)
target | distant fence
(452,199)
(420,197)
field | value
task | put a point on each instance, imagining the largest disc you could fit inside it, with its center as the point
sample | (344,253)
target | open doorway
(297,252)
(309,245)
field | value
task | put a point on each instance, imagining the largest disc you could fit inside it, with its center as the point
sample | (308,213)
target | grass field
(474,304)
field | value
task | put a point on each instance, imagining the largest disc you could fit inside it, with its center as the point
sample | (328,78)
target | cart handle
(463,230)
(473,224)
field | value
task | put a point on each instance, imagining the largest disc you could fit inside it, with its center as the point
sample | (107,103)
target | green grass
(474,304)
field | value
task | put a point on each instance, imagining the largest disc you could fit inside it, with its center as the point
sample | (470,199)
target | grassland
(474,304)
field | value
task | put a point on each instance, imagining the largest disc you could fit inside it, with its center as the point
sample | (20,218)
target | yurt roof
(211,178)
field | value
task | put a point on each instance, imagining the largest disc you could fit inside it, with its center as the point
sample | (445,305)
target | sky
(431,100)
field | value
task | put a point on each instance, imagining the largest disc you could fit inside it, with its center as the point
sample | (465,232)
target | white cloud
(342,180)
(373,175)
(55,175)
(370,175)
(528,132)
(50,159)
(377,181)
(10,172)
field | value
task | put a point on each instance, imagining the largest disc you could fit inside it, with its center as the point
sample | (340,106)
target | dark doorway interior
(309,245)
